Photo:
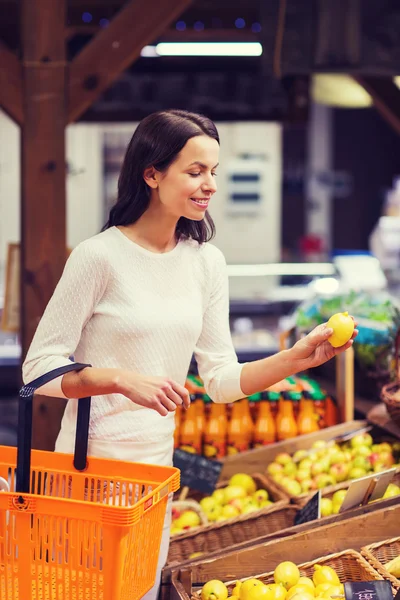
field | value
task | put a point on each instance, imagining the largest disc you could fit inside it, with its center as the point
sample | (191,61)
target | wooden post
(43,209)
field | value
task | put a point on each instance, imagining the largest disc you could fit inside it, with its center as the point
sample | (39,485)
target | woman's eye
(214,174)
(194,174)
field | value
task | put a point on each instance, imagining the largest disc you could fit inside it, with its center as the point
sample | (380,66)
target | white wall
(243,239)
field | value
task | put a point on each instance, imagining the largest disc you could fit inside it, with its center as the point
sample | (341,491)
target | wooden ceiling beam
(114,48)
(11,84)
(385,95)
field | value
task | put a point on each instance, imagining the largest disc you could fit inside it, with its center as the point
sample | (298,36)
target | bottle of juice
(238,439)
(318,397)
(295,396)
(247,421)
(215,433)
(331,412)
(178,422)
(273,399)
(254,402)
(307,421)
(286,426)
(200,413)
(190,435)
(264,429)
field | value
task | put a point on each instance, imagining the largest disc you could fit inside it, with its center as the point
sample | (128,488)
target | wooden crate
(306,542)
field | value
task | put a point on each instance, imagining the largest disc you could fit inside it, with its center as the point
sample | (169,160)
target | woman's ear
(150,177)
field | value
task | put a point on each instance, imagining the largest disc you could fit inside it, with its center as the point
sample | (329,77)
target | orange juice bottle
(286,426)
(264,429)
(200,415)
(307,421)
(190,435)
(273,398)
(238,439)
(295,396)
(247,421)
(318,397)
(178,423)
(331,412)
(254,402)
(214,440)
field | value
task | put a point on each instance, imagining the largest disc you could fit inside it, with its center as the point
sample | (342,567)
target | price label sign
(368,590)
(197,472)
(310,511)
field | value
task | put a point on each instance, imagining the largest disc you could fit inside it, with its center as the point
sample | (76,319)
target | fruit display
(393,567)
(241,496)
(329,463)
(289,581)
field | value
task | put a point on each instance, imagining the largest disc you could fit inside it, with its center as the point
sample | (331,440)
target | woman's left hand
(314,349)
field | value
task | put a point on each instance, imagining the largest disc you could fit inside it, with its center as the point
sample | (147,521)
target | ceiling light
(339,90)
(207,49)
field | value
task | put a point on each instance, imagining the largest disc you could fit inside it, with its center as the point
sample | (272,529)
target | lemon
(343,327)
(236,589)
(325,575)
(298,588)
(214,590)
(287,573)
(321,588)
(303,594)
(307,582)
(334,590)
(254,589)
(278,591)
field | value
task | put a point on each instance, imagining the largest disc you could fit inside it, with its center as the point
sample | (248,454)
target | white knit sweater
(118,305)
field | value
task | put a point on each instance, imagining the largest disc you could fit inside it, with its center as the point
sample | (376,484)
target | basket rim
(367,552)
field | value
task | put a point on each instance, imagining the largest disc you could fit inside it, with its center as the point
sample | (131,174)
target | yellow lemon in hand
(343,327)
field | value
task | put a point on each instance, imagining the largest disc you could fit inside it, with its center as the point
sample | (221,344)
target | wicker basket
(225,534)
(379,554)
(182,505)
(349,566)
(390,394)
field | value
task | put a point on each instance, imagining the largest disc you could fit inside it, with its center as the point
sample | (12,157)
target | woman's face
(186,188)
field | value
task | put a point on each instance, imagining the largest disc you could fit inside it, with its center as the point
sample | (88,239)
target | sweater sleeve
(78,291)
(215,354)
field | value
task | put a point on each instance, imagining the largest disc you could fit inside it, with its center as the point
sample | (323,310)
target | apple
(300,455)
(292,487)
(361,462)
(362,439)
(230,512)
(307,485)
(386,458)
(374,458)
(319,444)
(379,467)
(340,472)
(237,503)
(391,491)
(219,495)
(188,519)
(337,457)
(245,481)
(385,447)
(207,503)
(339,496)
(251,507)
(282,458)
(233,491)
(176,513)
(362,451)
(326,507)
(274,468)
(278,477)
(214,513)
(301,475)
(260,496)
(305,464)
(289,468)
(265,503)
(317,468)
(323,480)
(357,472)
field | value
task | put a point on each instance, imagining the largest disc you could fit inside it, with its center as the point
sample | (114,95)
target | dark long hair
(156,142)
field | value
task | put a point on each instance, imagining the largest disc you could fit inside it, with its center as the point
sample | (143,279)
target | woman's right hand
(159,393)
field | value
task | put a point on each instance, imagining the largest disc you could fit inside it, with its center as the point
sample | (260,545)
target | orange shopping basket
(73,528)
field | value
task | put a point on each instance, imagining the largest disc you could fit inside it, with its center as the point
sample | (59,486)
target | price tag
(368,590)
(363,490)
(197,472)
(311,511)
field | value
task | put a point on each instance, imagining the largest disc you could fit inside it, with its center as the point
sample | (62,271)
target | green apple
(303,474)
(289,468)
(339,496)
(323,480)
(318,467)
(357,472)
(326,507)
(188,519)
(385,447)
(340,472)
(274,468)
(363,451)
(319,444)
(305,464)
(300,455)
(282,458)
(250,508)
(362,463)
(293,487)
(362,439)
(307,485)
(391,491)
(214,513)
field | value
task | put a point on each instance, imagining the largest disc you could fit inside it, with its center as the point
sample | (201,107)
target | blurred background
(305,96)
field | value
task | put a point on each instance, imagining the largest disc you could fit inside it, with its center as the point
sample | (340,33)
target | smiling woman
(140,298)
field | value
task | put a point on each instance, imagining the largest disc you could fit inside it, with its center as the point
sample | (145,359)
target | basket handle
(25,426)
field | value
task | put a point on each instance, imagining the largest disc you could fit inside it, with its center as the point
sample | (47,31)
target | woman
(138,299)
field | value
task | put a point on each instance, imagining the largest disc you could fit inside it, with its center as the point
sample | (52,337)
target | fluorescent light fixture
(339,90)
(276,269)
(203,49)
